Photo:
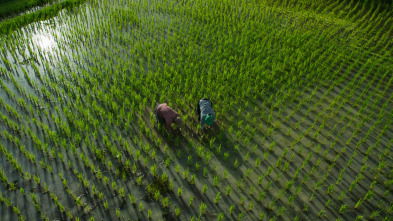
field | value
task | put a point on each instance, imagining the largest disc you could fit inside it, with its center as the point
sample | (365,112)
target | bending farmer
(206,114)
(165,114)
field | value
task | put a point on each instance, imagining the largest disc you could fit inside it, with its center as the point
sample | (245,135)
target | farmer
(206,114)
(165,114)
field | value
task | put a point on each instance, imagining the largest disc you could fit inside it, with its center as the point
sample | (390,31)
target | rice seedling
(218,197)
(180,191)
(202,209)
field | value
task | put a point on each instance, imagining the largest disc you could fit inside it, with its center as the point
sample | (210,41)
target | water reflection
(46,41)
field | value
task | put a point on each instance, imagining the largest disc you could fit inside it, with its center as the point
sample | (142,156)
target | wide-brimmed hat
(209,119)
(178,121)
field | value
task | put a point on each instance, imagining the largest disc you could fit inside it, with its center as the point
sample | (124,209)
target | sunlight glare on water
(45,41)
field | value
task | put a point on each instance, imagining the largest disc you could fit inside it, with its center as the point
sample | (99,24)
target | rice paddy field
(302,92)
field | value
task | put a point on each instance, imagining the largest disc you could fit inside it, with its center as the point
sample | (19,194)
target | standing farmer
(165,114)
(206,114)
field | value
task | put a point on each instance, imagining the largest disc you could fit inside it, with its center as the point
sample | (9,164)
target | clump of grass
(159,184)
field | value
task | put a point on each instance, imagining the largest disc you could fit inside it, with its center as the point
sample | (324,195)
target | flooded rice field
(302,92)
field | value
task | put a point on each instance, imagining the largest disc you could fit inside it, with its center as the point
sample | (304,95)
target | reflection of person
(165,114)
(206,114)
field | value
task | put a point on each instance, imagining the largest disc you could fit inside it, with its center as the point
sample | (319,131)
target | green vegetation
(12,7)
(302,91)
(11,24)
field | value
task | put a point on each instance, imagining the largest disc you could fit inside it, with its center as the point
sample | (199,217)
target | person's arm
(158,111)
(168,126)
(202,121)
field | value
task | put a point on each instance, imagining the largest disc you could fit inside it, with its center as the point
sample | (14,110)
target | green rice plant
(257,162)
(360,218)
(149,213)
(225,174)
(321,213)
(278,162)
(359,203)
(114,186)
(226,155)
(165,202)
(106,205)
(289,184)
(189,160)
(220,216)
(185,174)
(278,177)
(260,178)
(177,168)
(343,208)
(180,191)
(218,150)
(247,155)
(240,183)
(153,170)
(208,156)
(241,215)
(331,189)
(139,181)
(271,205)
(22,191)
(342,195)
(202,209)
(359,178)
(281,210)
(236,164)
(190,201)
(370,194)
(216,180)
(204,188)
(205,172)
(145,160)
(117,213)
(36,179)
(218,197)
(248,172)
(192,180)
(157,195)
(141,207)
(236,148)
(254,148)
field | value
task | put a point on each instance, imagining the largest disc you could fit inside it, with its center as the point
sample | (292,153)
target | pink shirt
(168,114)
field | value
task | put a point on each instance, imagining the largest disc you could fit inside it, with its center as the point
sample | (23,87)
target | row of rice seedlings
(114,153)
(36,179)
(31,157)
(43,165)
(330,187)
(9,203)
